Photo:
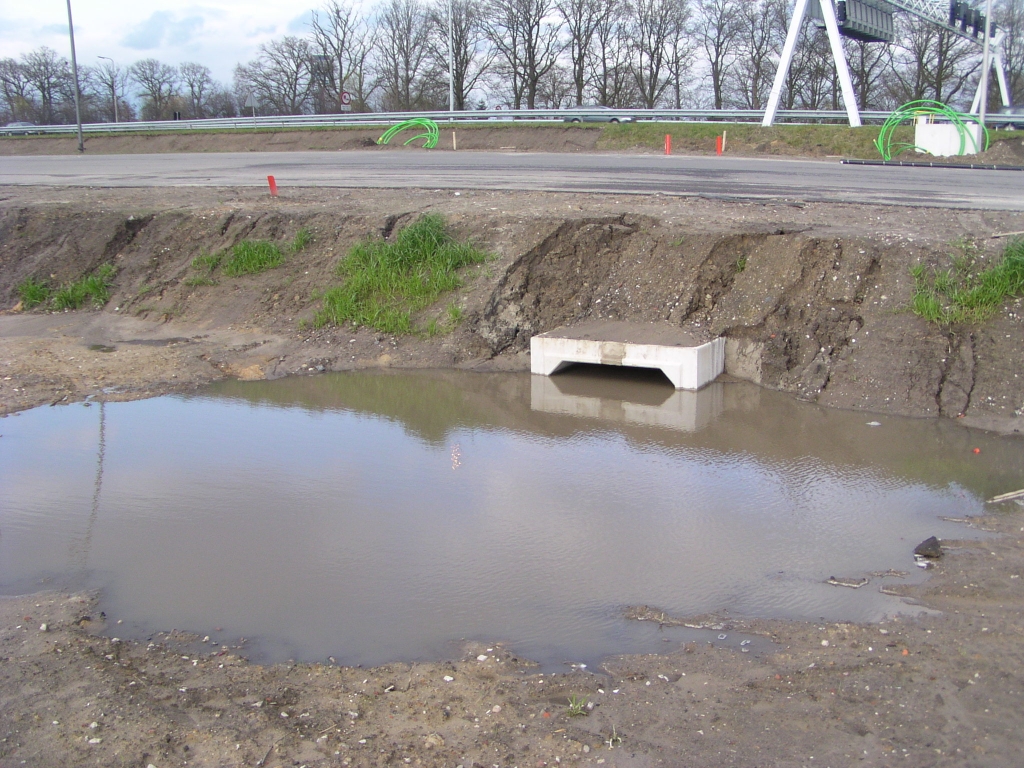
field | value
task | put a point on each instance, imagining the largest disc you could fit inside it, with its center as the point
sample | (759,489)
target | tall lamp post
(74,74)
(451,56)
(986,66)
(113,92)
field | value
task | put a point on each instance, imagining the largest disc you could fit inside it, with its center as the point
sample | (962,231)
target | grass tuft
(207,261)
(250,257)
(577,706)
(33,292)
(302,238)
(965,293)
(94,288)
(386,282)
(197,280)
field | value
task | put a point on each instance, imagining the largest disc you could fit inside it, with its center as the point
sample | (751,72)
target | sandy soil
(816,310)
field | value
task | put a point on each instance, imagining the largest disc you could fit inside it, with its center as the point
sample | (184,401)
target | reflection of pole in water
(83,552)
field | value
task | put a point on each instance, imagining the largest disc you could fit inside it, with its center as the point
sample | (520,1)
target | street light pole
(451,56)
(74,74)
(113,92)
(986,66)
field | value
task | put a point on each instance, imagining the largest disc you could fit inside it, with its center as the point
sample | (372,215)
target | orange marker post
(273,186)
(668,143)
(718,145)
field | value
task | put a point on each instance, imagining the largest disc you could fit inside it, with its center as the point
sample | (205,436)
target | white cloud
(217,33)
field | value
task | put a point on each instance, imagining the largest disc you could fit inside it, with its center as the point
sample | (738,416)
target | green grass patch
(750,138)
(967,292)
(250,257)
(207,262)
(197,280)
(93,289)
(386,282)
(33,292)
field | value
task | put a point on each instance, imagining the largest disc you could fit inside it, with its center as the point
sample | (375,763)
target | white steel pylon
(828,11)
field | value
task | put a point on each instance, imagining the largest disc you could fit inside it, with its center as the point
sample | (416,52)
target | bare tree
(158,84)
(582,18)
(49,75)
(221,103)
(654,25)
(473,57)
(556,89)
(346,38)
(718,28)
(931,63)
(527,44)
(113,79)
(15,90)
(279,78)
(200,84)
(869,63)
(611,78)
(402,55)
(760,35)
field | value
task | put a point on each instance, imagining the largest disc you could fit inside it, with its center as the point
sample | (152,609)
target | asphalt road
(717,177)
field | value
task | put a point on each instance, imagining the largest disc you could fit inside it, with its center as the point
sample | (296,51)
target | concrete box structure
(943,139)
(687,363)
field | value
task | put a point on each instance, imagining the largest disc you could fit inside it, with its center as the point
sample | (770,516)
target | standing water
(387,516)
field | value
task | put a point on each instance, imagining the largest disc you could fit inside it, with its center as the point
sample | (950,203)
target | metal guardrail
(475,117)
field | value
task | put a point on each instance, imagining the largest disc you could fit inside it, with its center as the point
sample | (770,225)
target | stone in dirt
(928,548)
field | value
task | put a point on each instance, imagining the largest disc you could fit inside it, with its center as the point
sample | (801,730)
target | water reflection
(381,516)
(625,398)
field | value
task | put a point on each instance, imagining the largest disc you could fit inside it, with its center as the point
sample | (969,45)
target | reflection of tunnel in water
(629,396)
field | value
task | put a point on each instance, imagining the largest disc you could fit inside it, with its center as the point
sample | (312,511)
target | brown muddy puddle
(374,517)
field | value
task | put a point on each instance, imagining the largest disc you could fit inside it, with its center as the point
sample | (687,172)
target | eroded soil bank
(812,298)
(812,301)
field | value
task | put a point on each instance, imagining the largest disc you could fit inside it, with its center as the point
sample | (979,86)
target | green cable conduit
(888,150)
(430,136)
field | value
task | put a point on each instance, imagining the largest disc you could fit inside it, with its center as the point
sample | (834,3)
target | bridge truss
(871,21)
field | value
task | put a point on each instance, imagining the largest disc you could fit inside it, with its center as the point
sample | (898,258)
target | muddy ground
(812,300)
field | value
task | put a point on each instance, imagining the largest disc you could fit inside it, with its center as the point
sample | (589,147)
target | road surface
(717,177)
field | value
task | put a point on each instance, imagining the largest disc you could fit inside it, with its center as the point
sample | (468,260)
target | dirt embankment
(811,298)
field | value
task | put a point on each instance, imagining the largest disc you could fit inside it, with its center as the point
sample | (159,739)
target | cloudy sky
(217,33)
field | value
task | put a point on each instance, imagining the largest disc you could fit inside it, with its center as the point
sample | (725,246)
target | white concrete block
(687,364)
(943,139)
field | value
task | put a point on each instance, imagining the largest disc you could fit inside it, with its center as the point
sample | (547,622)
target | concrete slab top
(660,334)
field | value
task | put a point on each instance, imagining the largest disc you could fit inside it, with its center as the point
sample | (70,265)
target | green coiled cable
(431,135)
(888,150)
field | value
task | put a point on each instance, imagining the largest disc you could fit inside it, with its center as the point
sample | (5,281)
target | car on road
(597,115)
(19,129)
(1016,112)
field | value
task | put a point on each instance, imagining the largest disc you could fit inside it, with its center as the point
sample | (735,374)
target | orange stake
(273,186)
(668,143)
(718,145)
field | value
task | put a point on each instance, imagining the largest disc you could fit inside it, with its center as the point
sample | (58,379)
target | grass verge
(386,282)
(965,293)
(748,138)
(93,289)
